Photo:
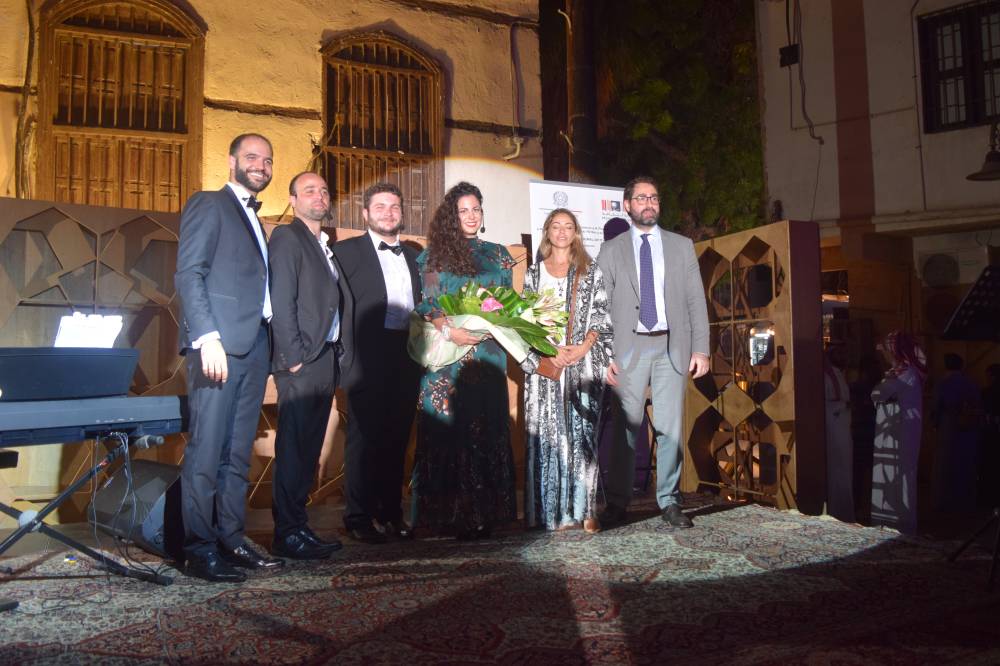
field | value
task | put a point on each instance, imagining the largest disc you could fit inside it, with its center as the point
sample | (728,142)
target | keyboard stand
(30,521)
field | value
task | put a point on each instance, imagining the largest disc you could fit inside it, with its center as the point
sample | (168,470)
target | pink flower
(491,304)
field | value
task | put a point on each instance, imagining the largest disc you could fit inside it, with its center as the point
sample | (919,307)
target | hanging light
(991,165)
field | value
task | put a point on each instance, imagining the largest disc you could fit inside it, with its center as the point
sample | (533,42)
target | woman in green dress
(463,474)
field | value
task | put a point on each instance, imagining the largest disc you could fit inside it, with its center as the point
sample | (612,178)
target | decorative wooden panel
(120,104)
(383,121)
(755,422)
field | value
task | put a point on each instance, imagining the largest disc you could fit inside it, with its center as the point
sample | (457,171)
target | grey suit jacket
(683,290)
(220,274)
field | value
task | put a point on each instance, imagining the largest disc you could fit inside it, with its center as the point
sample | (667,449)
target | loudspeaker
(149,517)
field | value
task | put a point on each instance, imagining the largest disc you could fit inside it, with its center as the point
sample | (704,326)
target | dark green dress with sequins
(463,473)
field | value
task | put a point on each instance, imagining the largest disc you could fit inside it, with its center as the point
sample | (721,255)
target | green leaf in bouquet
(470,305)
(448,304)
(512,302)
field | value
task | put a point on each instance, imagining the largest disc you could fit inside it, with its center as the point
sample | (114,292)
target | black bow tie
(395,249)
(253,203)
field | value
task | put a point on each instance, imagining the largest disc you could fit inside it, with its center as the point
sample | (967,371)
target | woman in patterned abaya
(561,416)
(898,426)
(463,474)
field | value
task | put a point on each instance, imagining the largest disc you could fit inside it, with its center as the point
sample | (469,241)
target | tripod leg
(996,551)
(968,542)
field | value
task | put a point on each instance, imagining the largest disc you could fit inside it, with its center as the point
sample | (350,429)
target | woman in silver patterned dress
(561,416)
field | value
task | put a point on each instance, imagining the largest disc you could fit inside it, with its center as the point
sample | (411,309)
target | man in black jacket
(222,287)
(380,285)
(305,328)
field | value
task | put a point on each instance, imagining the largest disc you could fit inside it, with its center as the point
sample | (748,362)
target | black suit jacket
(304,296)
(221,273)
(364,300)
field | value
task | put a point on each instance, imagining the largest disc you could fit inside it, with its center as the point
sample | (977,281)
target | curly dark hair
(447,248)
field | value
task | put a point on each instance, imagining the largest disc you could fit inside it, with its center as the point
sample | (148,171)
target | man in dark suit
(222,286)
(380,285)
(305,328)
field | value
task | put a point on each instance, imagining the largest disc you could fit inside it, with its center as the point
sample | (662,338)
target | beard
(386,227)
(639,220)
(243,179)
(318,213)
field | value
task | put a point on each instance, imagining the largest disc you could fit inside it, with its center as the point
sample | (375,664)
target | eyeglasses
(465,212)
(642,199)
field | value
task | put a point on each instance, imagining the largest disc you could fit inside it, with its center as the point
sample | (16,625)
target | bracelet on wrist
(446,332)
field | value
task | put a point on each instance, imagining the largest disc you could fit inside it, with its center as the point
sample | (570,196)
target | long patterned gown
(463,474)
(562,417)
(898,428)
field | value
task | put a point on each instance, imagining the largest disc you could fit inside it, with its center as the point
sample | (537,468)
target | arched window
(383,121)
(120,104)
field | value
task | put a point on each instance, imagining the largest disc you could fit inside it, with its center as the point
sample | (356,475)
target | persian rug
(747,585)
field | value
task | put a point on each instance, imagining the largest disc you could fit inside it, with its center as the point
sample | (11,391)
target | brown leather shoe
(591,526)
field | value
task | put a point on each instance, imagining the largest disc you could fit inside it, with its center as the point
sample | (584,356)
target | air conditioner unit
(947,268)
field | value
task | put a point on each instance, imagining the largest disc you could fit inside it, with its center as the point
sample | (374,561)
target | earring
(482,228)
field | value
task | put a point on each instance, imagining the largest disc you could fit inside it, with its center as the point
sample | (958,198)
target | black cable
(802,76)
(788,25)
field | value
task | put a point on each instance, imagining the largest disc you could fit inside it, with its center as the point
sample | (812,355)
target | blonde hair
(578,256)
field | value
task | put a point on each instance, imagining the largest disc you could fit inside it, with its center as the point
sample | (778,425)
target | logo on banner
(560,199)
(611,205)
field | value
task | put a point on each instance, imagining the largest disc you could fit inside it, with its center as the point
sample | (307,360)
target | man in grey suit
(222,286)
(660,319)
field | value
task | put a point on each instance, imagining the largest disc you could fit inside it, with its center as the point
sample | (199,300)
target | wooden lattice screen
(383,121)
(120,105)
(754,424)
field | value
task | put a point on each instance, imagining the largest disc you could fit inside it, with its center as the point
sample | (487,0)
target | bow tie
(253,203)
(395,249)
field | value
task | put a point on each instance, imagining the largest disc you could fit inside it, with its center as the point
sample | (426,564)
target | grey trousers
(648,365)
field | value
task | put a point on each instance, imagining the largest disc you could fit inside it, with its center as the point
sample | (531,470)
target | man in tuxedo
(380,286)
(222,286)
(305,328)
(660,320)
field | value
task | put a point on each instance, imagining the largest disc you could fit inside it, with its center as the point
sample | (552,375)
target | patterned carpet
(747,585)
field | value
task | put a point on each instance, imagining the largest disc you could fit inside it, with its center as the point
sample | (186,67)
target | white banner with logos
(593,206)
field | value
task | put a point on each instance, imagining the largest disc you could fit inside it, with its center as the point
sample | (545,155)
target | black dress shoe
(612,516)
(310,536)
(398,531)
(673,516)
(247,557)
(211,567)
(366,534)
(297,547)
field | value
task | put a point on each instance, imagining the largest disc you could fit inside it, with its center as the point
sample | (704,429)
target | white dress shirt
(324,243)
(398,286)
(659,275)
(244,196)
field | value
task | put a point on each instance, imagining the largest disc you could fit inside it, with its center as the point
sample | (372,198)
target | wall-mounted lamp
(991,165)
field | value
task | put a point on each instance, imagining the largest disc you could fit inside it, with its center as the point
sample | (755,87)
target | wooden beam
(488,128)
(263,109)
(467,11)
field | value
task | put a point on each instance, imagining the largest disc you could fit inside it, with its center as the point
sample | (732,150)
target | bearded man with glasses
(660,318)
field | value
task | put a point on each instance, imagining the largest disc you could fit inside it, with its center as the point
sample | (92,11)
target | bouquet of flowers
(518,322)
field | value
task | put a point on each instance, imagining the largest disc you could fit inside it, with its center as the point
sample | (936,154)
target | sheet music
(88,330)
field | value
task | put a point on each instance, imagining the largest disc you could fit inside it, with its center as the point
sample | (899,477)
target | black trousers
(222,427)
(304,401)
(380,415)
